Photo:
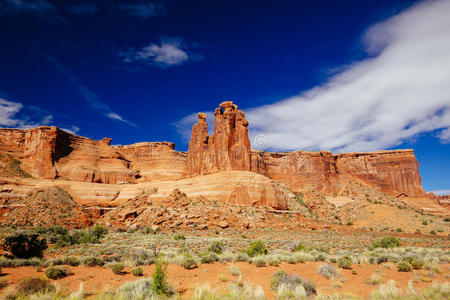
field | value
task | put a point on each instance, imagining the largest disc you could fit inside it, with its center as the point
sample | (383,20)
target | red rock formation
(227,149)
(48,152)
(393,172)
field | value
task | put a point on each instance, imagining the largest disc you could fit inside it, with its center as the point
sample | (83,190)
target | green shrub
(55,272)
(208,257)
(299,247)
(116,267)
(345,262)
(424,222)
(216,247)
(446,219)
(387,242)
(99,230)
(256,248)
(349,223)
(160,285)
(25,245)
(404,266)
(188,261)
(415,262)
(179,237)
(93,261)
(137,271)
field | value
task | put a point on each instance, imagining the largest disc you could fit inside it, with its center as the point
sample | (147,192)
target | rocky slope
(217,168)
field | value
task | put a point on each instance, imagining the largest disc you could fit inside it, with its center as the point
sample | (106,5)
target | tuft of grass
(326,270)
(56,272)
(116,267)
(137,272)
(256,248)
(404,266)
(345,262)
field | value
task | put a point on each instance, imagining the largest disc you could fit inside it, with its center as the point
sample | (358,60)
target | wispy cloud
(441,192)
(91,98)
(83,9)
(39,7)
(401,91)
(141,9)
(169,52)
(11,115)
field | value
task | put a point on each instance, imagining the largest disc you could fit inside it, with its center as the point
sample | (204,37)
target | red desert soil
(96,279)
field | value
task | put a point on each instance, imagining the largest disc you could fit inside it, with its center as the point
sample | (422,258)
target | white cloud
(91,98)
(167,53)
(10,116)
(441,192)
(402,90)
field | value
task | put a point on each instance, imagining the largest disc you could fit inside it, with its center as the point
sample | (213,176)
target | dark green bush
(160,285)
(116,267)
(55,273)
(345,262)
(25,245)
(179,237)
(387,242)
(415,262)
(137,271)
(216,247)
(256,248)
(404,266)
(299,247)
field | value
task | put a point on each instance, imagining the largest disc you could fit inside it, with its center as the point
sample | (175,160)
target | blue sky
(313,75)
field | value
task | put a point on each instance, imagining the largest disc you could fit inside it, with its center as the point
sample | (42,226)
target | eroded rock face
(227,149)
(49,152)
(394,172)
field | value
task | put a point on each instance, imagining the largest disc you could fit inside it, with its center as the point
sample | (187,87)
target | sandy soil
(96,279)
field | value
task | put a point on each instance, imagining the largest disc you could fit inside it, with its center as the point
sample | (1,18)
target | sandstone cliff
(49,152)
(227,149)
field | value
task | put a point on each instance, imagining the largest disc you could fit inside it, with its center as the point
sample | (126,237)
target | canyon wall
(49,152)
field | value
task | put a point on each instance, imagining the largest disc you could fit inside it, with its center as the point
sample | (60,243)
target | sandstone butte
(221,167)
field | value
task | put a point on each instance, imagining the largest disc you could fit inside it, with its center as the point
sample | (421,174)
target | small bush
(299,247)
(179,237)
(425,222)
(30,285)
(117,267)
(387,242)
(259,261)
(326,270)
(93,261)
(25,245)
(137,271)
(404,266)
(257,248)
(291,282)
(375,279)
(208,257)
(55,273)
(188,262)
(349,223)
(345,262)
(160,285)
(415,262)
(216,247)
